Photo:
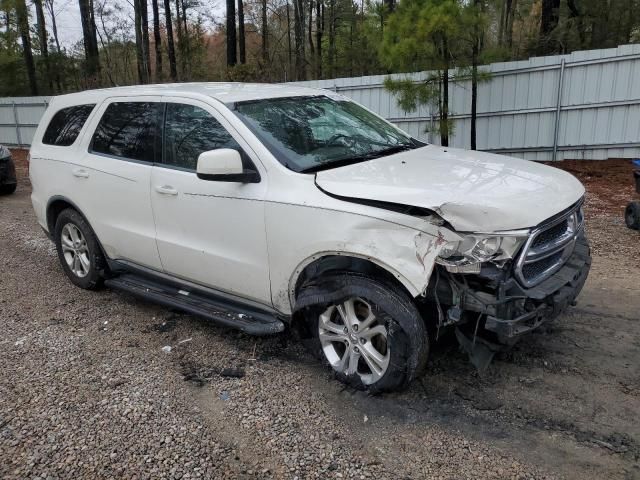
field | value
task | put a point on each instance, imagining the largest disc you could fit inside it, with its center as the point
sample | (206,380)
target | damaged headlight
(467,255)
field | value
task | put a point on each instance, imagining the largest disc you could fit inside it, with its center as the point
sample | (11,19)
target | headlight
(466,255)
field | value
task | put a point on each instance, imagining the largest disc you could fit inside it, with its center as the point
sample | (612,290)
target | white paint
(253,240)
(474,191)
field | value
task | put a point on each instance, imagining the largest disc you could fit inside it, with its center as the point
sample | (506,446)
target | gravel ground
(89,389)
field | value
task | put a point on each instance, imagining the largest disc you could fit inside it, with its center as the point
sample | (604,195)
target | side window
(64,127)
(128,130)
(189,131)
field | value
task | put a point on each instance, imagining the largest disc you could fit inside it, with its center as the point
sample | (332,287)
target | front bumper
(498,305)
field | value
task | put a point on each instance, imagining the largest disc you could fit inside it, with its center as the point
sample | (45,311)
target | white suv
(266,206)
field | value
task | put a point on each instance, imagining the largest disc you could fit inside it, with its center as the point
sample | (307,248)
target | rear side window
(66,124)
(189,131)
(128,130)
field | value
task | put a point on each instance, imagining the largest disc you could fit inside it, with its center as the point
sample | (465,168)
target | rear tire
(371,334)
(78,250)
(8,189)
(632,215)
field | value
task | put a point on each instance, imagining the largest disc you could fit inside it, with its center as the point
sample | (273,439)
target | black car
(7,172)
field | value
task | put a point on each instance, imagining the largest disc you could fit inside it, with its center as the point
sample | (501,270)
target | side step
(218,310)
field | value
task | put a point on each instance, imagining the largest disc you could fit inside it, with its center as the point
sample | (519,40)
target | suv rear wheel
(78,250)
(371,335)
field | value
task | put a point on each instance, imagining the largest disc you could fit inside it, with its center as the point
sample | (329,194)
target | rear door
(113,180)
(208,232)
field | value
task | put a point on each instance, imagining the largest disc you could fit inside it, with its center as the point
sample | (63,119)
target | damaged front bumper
(498,308)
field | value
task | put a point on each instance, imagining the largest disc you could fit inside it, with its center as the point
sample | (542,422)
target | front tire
(371,334)
(78,250)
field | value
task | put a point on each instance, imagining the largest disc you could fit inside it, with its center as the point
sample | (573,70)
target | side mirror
(224,165)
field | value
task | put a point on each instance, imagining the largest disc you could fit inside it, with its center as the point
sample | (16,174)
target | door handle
(80,173)
(166,190)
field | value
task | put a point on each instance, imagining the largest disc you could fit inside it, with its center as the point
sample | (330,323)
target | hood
(473,191)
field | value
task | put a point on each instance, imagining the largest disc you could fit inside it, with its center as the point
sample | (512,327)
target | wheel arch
(321,263)
(56,205)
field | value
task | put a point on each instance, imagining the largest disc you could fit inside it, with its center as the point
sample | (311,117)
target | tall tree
(264,46)
(319,33)
(92,58)
(422,35)
(298,29)
(22,15)
(171,52)
(157,40)
(242,46)
(49,4)
(548,22)
(232,56)
(142,40)
(42,39)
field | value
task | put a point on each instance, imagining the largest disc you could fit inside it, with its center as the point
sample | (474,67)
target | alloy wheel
(354,340)
(75,250)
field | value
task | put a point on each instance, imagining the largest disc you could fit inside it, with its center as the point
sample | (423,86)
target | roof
(224,92)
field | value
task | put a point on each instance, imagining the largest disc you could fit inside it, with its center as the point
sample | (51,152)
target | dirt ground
(87,391)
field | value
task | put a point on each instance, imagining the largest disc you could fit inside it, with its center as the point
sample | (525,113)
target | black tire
(8,189)
(632,215)
(407,337)
(93,277)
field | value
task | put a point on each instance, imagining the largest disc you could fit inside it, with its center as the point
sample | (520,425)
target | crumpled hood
(473,191)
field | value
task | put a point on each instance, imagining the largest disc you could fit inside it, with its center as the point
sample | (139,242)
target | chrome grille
(548,247)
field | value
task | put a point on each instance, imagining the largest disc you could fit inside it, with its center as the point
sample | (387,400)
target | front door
(209,232)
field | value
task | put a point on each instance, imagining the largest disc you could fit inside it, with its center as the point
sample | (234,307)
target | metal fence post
(556,127)
(15,119)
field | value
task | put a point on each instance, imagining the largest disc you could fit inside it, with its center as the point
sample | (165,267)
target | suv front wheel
(78,250)
(371,335)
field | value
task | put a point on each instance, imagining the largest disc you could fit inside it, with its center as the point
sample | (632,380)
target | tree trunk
(241,37)
(142,41)
(54,25)
(42,37)
(474,73)
(548,22)
(265,36)
(310,32)
(23,25)
(232,57)
(574,13)
(144,12)
(510,15)
(289,52)
(332,38)
(171,51)
(92,58)
(319,32)
(444,109)
(157,40)
(298,29)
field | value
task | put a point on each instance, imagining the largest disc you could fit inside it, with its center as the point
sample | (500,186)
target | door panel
(114,188)
(208,232)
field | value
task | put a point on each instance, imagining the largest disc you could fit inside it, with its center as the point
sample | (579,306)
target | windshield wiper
(360,158)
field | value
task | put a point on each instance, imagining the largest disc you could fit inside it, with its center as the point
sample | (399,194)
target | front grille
(547,236)
(548,247)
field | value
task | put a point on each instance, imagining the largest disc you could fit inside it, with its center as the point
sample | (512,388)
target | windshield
(308,134)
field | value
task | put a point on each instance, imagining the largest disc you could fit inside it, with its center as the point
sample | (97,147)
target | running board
(218,310)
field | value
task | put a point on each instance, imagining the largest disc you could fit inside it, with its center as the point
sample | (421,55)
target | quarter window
(189,131)
(128,130)
(65,126)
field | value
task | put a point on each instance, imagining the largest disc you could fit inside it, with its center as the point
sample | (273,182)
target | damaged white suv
(266,206)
